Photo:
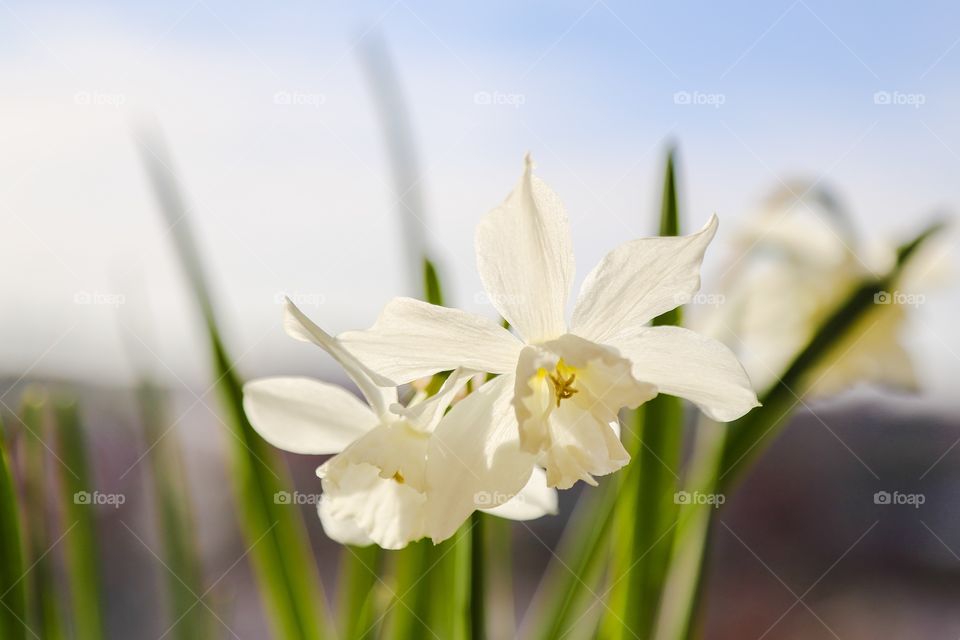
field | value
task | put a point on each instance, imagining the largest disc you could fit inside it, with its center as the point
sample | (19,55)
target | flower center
(562,384)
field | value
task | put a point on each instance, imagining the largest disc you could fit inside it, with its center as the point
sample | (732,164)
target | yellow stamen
(563,387)
(398,477)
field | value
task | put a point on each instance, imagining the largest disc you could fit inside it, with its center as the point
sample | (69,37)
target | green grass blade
(422,600)
(433,293)
(46,617)
(447,582)
(395,124)
(686,558)
(478,575)
(409,613)
(660,424)
(621,549)
(358,587)
(579,554)
(184,580)
(659,429)
(422,568)
(497,538)
(641,547)
(750,435)
(432,586)
(278,546)
(13,592)
(436,592)
(669,209)
(82,550)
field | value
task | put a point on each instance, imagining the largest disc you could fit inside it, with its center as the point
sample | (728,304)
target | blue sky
(289,195)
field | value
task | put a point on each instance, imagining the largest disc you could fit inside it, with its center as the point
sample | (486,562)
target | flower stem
(690,538)
(13,596)
(478,611)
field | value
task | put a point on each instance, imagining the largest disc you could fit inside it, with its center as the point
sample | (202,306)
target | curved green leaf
(13,594)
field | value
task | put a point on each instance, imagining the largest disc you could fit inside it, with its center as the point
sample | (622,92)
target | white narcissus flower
(796,260)
(566,381)
(390,482)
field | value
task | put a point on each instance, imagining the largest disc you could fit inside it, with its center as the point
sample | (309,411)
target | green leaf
(181,558)
(687,556)
(660,425)
(669,209)
(422,601)
(574,569)
(448,585)
(46,617)
(398,136)
(13,594)
(358,588)
(83,553)
(639,500)
(277,542)
(657,450)
(410,609)
(478,576)
(438,587)
(499,588)
(433,293)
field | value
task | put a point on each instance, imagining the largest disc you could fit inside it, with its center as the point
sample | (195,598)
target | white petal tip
(712,223)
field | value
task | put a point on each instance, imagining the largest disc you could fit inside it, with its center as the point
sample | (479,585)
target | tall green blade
(398,136)
(359,585)
(659,429)
(478,575)
(417,569)
(640,545)
(438,591)
(579,555)
(83,554)
(13,593)
(410,608)
(687,556)
(183,577)
(278,546)
(500,595)
(621,552)
(46,618)
(444,588)
(670,215)
(433,293)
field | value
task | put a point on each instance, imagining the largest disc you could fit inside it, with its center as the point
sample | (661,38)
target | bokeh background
(275,118)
